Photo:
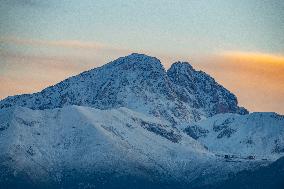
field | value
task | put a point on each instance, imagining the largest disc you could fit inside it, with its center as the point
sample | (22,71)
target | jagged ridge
(141,83)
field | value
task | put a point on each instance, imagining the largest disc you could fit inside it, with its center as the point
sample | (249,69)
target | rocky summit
(138,82)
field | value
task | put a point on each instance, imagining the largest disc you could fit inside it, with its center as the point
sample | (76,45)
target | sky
(238,42)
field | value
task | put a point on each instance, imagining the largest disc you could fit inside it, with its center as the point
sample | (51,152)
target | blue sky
(45,41)
(180,27)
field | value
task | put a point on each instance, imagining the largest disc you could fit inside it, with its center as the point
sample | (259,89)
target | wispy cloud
(29,3)
(254,57)
(69,44)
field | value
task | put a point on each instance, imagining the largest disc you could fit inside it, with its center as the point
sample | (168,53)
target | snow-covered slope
(138,82)
(50,144)
(259,135)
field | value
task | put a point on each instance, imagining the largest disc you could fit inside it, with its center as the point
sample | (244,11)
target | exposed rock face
(201,91)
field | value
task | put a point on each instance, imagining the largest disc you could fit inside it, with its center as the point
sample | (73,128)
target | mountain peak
(138,82)
(141,55)
(182,65)
(137,60)
(138,57)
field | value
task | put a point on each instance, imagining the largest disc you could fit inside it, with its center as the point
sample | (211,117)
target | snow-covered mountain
(258,135)
(138,82)
(131,123)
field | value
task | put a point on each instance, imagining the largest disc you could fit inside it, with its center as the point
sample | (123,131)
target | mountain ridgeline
(132,124)
(141,83)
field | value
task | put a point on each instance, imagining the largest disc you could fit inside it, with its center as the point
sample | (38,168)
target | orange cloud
(254,57)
